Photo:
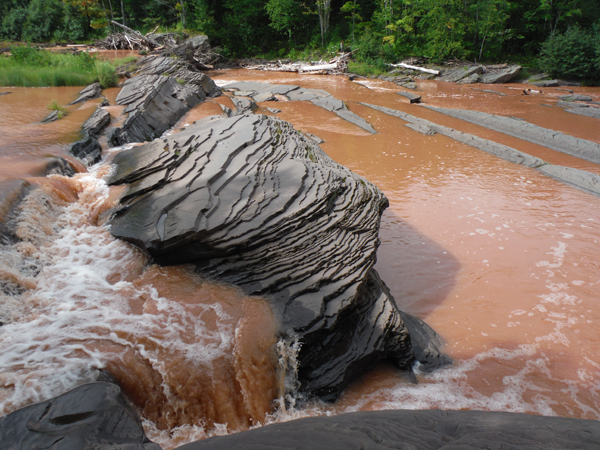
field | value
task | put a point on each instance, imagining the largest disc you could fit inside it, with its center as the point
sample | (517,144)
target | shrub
(55,106)
(575,54)
(106,74)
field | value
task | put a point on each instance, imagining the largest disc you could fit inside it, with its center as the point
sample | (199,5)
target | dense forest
(380,30)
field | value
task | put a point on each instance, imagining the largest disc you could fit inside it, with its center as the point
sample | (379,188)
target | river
(499,259)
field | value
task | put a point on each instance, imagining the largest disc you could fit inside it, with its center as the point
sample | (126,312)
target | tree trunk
(324,9)
(123,13)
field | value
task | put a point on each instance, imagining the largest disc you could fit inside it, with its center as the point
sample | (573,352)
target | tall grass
(30,67)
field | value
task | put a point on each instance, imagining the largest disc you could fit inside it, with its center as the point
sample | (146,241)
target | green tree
(353,9)
(285,15)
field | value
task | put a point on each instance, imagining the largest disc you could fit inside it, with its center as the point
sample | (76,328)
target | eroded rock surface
(254,203)
(416,430)
(92,416)
(154,104)
(92,91)
(261,92)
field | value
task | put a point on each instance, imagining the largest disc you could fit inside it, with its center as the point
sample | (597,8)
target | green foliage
(106,74)
(12,24)
(574,54)
(285,15)
(55,106)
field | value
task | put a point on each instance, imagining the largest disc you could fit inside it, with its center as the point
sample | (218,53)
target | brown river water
(499,259)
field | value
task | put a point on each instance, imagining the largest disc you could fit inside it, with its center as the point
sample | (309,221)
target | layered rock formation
(263,92)
(253,203)
(416,430)
(92,416)
(154,103)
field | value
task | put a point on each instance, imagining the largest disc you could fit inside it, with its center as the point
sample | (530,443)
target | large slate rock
(154,104)
(500,76)
(90,417)
(527,131)
(92,91)
(415,430)
(264,92)
(97,122)
(256,204)
(88,150)
(457,74)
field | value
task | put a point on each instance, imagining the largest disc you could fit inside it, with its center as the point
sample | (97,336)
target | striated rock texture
(92,416)
(256,204)
(416,430)
(264,92)
(154,104)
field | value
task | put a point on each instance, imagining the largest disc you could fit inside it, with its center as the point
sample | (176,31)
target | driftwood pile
(335,66)
(128,39)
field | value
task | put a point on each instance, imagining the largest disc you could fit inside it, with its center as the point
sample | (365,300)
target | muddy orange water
(499,259)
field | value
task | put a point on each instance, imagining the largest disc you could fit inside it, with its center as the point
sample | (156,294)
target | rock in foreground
(253,203)
(416,430)
(92,416)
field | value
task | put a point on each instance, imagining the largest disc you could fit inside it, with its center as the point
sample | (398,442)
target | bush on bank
(31,67)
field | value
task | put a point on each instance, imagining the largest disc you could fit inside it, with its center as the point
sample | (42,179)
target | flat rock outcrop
(92,416)
(254,203)
(459,73)
(90,92)
(416,430)
(500,76)
(261,92)
(529,132)
(154,103)
(97,122)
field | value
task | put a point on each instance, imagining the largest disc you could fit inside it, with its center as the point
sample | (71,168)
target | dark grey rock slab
(273,110)
(244,105)
(503,151)
(409,85)
(457,74)
(576,98)
(588,112)
(92,416)
(572,105)
(90,92)
(5,93)
(88,150)
(579,178)
(253,203)
(546,83)
(154,104)
(421,129)
(412,98)
(58,166)
(52,117)
(527,131)
(97,122)
(489,91)
(415,430)
(12,193)
(500,76)
(258,91)
(470,79)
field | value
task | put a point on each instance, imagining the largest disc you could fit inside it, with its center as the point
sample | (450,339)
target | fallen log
(420,69)
(152,42)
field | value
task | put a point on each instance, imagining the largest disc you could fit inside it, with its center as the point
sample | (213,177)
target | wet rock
(314,138)
(226,110)
(579,178)
(409,85)
(459,73)
(412,98)
(470,79)
(179,69)
(191,46)
(588,112)
(59,166)
(273,110)
(527,131)
(416,430)
(12,192)
(539,77)
(154,104)
(572,105)
(244,105)
(52,117)
(253,203)
(88,150)
(489,91)
(317,97)
(92,416)
(575,98)
(92,91)
(500,76)
(421,129)
(546,83)
(97,122)
(502,151)
(5,93)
